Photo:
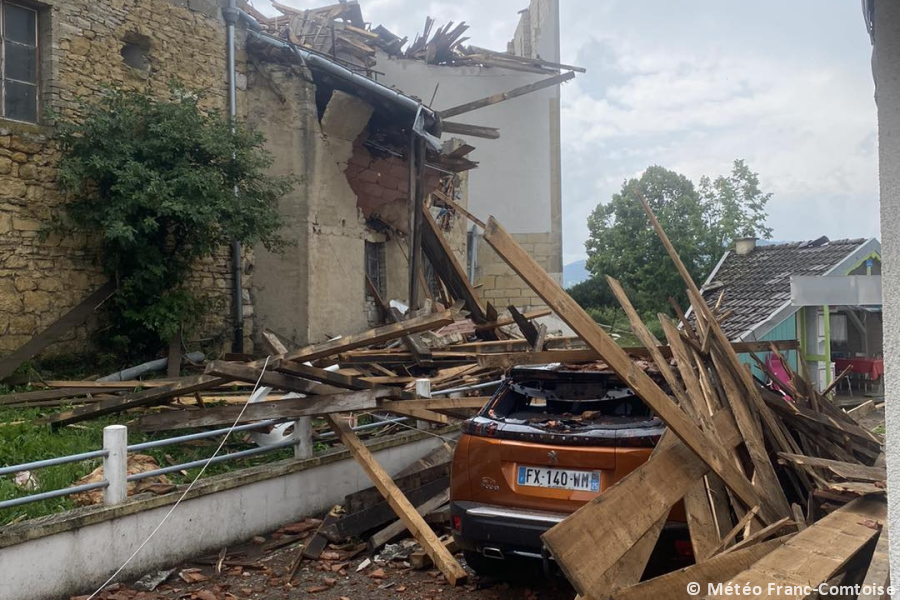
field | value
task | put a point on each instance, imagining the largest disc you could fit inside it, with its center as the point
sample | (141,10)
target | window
(375,267)
(18,62)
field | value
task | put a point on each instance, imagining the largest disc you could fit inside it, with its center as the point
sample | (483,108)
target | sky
(693,85)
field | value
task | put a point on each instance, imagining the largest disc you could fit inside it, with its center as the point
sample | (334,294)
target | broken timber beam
(290,408)
(508,95)
(776,503)
(828,545)
(448,268)
(503,360)
(279,381)
(707,449)
(491,133)
(404,509)
(187,385)
(719,569)
(73,317)
(377,335)
(581,544)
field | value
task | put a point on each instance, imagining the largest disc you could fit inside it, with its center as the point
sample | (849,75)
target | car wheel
(483,565)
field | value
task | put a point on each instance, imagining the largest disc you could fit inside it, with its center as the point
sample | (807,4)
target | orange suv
(551,439)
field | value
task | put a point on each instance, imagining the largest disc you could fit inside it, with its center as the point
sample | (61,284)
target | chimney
(744,245)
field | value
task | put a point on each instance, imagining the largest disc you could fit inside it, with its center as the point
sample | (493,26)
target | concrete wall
(886,67)
(59,556)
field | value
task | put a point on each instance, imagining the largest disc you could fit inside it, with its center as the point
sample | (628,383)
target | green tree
(162,183)
(734,207)
(702,222)
(623,245)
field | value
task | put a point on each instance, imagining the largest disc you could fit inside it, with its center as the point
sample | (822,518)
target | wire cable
(189,488)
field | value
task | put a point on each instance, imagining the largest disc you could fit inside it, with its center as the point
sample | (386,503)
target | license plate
(560,479)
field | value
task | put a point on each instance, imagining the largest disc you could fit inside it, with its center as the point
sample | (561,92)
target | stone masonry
(82,44)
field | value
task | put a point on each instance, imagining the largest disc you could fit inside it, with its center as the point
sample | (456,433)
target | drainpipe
(230,14)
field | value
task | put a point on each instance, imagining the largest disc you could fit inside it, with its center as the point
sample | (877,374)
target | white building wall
(512,181)
(886,68)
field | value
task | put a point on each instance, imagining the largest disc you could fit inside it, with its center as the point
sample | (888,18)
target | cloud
(804,120)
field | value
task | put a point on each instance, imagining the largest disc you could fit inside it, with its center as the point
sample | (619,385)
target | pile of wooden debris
(778,486)
(339,31)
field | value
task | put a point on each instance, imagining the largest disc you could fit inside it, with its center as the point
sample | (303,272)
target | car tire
(483,565)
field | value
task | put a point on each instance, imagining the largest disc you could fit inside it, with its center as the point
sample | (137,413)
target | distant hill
(575,273)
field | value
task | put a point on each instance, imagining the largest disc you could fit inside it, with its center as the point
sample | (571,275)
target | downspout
(230,14)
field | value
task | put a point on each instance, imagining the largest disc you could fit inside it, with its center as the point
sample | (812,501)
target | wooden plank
(377,335)
(862,410)
(503,360)
(507,95)
(422,414)
(491,133)
(173,363)
(844,470)
(778,527)
(72,318)
(188,385)
(39,396)
(815,554)
(273,343)
(729,537)
(774,501)
(370,497)
(504,321)
(765,473)
(406,511)
(700,518)
(291,408)
(877,576)
(398,527)
(331,378)
(586,547)
(444,262)
(568,310)
(272,379)
(673,586)
(436,403)
(529,331)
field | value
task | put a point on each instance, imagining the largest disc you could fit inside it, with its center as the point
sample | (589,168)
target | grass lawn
(22,440)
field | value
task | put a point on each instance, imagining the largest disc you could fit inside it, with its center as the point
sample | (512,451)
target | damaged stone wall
(315,290)
(83,45)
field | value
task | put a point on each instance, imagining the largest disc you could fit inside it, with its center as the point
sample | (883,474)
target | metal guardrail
(115,457)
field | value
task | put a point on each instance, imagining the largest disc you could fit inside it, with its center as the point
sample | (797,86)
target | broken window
(19,60)
(136,51)
(375,266)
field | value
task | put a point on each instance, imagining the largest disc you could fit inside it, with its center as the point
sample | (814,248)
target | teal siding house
(767,288)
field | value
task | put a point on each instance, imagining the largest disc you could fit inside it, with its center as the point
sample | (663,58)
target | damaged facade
(330,118)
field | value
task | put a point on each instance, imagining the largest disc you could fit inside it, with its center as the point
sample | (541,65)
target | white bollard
(423,390)
(303,440)
(115,464)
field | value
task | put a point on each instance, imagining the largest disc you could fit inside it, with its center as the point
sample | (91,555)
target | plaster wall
(886,67)
(314,290)
(512,181)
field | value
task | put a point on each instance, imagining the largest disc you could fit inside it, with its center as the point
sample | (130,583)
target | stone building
(326,120)
(55,51)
